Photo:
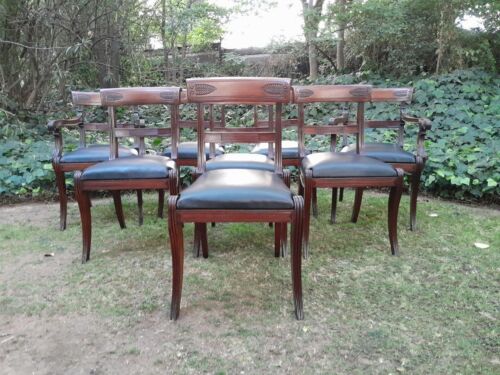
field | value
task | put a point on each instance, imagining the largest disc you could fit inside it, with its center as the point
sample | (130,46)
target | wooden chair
(393,153)
(336,170)
(85,155)
(187,152)
(143,172)
(237,194)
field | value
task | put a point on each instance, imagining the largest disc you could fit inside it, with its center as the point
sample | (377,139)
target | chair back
(133,97)
(358,94)
(81,100)
(401,96)
(269,92)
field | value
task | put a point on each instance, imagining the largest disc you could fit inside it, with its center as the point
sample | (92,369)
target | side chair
(85,155)
(236,194)
(393,153)
(134,173)
(337,170)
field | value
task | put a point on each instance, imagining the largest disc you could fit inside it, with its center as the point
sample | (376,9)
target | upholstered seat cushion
(243,189)
(189,150)
(333,164)
(289,149)
(140,167)
(95,154)
(386,152)
(241,160)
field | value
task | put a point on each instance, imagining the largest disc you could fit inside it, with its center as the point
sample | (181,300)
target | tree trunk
(312,17)
(340,37)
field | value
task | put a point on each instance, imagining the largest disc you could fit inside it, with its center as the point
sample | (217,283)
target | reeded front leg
(296,258)
(83,200)
(358,198)
(63,198)
(177,250)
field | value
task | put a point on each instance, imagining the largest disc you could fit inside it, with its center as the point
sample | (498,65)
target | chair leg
(308,189)
(296,261)
(83,200)
(196,240)
(277,240)
(177,249)
(301,189)
(341,194)
(415,185)
(117,199)
(204,239)
(284,239)
(394,199)
(333,214)
(63,198)
(315,202)
(139,205)
(161,203)
(358,198)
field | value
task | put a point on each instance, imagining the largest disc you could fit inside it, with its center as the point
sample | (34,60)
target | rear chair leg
(415,184)
(358,198)
(85,217)
(394,199)
(308,189)
(341,195)
(161,203)
(139,205)
(333,214)
(177,249)
(315,202)
(117,199)
(63,198)
(296,258)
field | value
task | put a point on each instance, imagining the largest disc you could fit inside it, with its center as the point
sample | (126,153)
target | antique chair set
(235,187)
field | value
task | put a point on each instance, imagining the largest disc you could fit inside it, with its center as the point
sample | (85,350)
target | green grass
(434,309)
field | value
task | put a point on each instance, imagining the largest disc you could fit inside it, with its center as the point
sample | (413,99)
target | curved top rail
(140,95)
(85,98)
(331,93)
(238,90)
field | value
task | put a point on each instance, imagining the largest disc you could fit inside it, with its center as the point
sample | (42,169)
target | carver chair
(337,170)
(237,194)
(393,153)
(85,155)
(137,173)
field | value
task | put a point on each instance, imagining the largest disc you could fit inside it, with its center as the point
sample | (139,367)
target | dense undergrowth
(463,145)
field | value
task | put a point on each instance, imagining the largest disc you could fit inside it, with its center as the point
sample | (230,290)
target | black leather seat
(237,189)
(140,167)
(241,161)
(289,149)
(189,150)
(332,165)
(95,154)
(386,152)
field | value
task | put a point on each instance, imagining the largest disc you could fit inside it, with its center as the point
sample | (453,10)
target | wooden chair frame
(349,93)
(80,100)
(128,97)
(270,91)
(401,96)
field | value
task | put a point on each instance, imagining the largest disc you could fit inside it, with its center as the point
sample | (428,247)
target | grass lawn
(432,310)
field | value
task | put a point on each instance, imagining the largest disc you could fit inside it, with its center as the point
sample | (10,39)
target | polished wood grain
(133,96)
(331,93)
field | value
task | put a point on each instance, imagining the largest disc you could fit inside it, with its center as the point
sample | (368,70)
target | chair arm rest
(423,123)
(54,125)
